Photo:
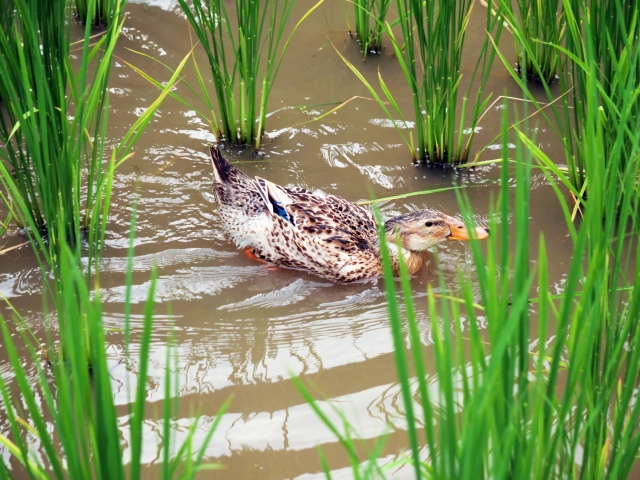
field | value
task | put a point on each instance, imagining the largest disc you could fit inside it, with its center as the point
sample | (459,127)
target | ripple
(341,155)
(288,295)
(17,284)
(194,283)
(167,258)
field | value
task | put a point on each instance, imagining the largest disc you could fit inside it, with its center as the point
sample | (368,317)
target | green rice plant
(6,12)
(55,175)
(55,124)
(70,409)
(4,224)
(369,35)
(434,35)
(96,14)
(236,60)
(601,34)
(603,47)
(431,58)
(542,26)
(526,387)
(53,167)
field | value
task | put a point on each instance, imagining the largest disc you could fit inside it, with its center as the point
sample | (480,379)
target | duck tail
(223,171)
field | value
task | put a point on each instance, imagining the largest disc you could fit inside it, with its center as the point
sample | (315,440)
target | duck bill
(460,232)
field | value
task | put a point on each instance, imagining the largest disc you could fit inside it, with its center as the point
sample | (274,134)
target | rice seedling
(53,168)
(236,60)
(434,34)
(55,173)
(6,12)
(431,58)
(95,15)
(601,34)
(602,45)
(70,411)
(370,18)
(528,387)
(540,25)
(50,139)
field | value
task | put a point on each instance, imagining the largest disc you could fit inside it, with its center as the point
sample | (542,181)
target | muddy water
(243,328)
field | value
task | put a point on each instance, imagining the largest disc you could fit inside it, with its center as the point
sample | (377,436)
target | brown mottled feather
(323,234)
(327,235)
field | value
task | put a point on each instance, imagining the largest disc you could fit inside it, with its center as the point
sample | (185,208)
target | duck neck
(413,260)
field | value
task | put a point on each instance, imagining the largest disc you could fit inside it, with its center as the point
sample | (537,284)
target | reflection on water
(243,328)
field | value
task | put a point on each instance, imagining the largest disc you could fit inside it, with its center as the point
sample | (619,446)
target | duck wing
(334,221)
(294,227)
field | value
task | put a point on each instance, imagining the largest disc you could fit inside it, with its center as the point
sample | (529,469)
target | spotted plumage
(323,234)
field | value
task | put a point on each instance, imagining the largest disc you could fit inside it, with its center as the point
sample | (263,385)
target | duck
(320,233)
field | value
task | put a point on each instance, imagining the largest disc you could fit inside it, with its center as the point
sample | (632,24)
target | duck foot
(252,256)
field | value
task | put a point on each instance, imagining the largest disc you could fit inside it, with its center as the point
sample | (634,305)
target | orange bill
(460,232)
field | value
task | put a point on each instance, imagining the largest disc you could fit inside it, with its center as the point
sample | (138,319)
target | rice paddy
(139,342)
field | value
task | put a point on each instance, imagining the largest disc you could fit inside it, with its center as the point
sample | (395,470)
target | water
(244,328)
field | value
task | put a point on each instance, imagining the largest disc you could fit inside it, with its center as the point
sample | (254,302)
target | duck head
(423,229)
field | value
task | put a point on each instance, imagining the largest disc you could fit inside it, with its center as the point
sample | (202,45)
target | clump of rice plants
(235,52)
(95,13)
(55,175)
(514,400)
(56,179)
(431,58)
(54,127)
(70,410)
(540,26)
(600,46)
(369,22)
(434,34)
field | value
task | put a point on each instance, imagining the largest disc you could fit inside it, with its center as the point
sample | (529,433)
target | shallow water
(244,328)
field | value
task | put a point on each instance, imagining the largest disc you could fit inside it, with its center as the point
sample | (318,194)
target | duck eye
(429,224)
